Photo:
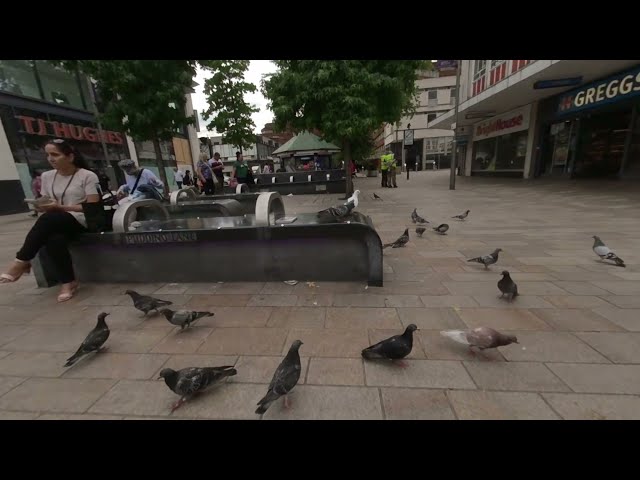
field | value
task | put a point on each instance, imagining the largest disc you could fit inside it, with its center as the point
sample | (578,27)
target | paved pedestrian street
(577,319)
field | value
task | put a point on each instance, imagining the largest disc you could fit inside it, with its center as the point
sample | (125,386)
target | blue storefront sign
(603,92)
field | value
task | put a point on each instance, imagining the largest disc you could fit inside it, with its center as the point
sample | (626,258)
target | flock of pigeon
(191,381)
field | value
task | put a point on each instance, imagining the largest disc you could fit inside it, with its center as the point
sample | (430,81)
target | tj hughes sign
(613,89)
(38,126)
(510,122)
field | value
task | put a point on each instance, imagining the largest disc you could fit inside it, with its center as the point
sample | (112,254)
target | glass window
(147,154)
(19,77)
(431,116)
(453,93)
(479,67)
(511,150)
(59,86)
(484,153)
(432,97)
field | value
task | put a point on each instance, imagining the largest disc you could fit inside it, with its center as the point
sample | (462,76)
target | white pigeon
(354,198)
(605,252)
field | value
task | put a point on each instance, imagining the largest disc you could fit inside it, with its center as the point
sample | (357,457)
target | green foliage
(345,99)
(143,98)
(225,90)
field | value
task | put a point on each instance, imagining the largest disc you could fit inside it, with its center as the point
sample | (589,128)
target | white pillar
(530,140)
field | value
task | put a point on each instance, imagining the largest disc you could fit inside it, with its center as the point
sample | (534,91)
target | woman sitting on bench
(64,190)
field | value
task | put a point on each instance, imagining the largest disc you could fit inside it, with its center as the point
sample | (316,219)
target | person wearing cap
(135,178)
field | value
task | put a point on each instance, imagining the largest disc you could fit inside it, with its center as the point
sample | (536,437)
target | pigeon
(481,337)
(415,218)
(605,252)
(442,229)
(353,199)
(337,213)
(462,216)
(377,197)
(400,242)
(507,286)
(487,260)
(145,303)
(193,380)
(393,348)
(183,318)
(420,231)
(93,342)
(284,379)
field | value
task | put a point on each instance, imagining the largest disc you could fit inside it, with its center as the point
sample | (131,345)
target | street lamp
(454,154)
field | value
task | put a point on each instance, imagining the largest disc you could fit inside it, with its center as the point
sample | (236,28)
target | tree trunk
(160,165)
(346,155)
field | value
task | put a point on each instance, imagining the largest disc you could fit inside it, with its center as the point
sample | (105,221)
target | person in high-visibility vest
(393,171)
(383,170)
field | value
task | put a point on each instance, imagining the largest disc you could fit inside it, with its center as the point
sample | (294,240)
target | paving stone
(575,320)
(575,406)
(117,365)
(198,302)
(183,341)
(416,404)
(502,319)
(481,405)
(260,369)
(521,376)
(245,341)
(313,402)
(432,301)
(617,347)
(419,373)
(361,317)
(550,347)
(335,371)
(431,318)
(585,378)
(272,301)
(61,395)
(328,343)
(576,301)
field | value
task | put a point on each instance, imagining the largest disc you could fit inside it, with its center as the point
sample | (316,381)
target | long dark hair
(68,149)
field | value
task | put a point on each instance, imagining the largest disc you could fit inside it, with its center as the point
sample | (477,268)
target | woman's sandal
(63,297)
(8,278)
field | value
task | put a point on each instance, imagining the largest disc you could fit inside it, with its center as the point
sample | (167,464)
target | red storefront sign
(38,126)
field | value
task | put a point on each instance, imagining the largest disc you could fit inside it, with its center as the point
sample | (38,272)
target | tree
(143,98)
(345,99)
(225,91)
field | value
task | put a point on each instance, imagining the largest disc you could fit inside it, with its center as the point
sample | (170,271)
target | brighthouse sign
(603,92)
(510,122)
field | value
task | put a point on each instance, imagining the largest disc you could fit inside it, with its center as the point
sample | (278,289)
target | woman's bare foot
(15,271)
(67,291)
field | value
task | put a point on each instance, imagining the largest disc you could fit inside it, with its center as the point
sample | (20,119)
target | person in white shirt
(64,190)
(178,176)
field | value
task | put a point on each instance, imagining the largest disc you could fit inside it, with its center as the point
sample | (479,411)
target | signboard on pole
(408,137)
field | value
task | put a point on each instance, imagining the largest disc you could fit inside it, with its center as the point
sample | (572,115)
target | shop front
(593,131)
(29,124)
(501,144)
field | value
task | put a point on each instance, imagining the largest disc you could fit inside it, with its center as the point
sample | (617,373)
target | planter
(372,173)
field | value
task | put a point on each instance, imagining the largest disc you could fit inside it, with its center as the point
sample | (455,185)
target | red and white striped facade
(487,73)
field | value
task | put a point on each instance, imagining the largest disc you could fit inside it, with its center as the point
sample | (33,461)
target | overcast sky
(257,68)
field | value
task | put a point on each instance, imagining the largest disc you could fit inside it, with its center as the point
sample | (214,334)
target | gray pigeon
(393,348)
(415,218)
(605,252)
(337,213)
(507,286)
(487,260)
(284,379)
(193,380)
(481,337)
(420,231)
(400,242)
(462,216)
(442,229)
(145,303)
(376,196)
(183,318)
(93,342)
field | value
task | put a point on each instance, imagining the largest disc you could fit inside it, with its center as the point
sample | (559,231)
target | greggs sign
(513,121)
(609,90)
(38,126)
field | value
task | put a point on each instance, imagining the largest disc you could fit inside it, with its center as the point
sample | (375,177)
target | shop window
(484,153)
(59,86)
(511,151)
(19,77)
